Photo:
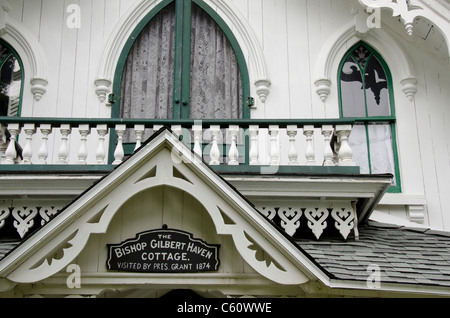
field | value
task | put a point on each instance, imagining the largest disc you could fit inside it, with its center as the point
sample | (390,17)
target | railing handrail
(149,123)
(335,133)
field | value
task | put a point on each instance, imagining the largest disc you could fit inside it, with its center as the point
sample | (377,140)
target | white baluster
(308,131)
(198,134)
(293,153)
(43,150)
(63,152)
(327,131)
(11,152)
(215,151)
(139,131)
(345,151)
(119,153)
(254,153)
(233,154)
(100,155)
(27,153)
(3,144)
(84,130)
(274,148)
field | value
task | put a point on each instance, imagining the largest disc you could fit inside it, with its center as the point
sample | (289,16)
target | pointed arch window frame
(181,83)
(368,120)
(13,52)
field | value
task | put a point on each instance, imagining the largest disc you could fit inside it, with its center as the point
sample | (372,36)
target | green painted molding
(187,123)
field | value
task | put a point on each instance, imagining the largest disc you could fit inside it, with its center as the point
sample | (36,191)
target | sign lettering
(163,251)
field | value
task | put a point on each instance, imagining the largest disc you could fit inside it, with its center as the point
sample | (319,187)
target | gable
(162,184)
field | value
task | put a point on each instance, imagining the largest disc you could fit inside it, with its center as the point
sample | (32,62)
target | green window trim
(13,52)
(182,53)
(367,120)
(181,91)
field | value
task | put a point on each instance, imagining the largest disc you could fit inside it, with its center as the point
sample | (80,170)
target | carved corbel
(38,87)
(323,88)
(263,89)
(103,88)
(409,87)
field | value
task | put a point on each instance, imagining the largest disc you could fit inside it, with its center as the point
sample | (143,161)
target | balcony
(317,146)
(291,170)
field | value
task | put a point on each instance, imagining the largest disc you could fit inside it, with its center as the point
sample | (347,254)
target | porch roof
(419,258)
(399,254)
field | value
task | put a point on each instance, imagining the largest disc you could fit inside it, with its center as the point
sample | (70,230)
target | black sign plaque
(163,251)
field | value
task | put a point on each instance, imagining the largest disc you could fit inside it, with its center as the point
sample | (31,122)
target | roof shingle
(404,255)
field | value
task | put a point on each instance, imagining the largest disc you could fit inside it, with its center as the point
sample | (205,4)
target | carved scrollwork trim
(319,217)
(24,219)
(344,218)
(290,219)
(317,220)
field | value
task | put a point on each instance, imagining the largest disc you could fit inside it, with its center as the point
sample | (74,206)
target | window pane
(11,81)
(147,81)
(352,94)
(377,93)
(381,150)
(358,143)
(216,86)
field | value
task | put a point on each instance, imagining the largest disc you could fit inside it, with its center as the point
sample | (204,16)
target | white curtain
(147,81)
(148,76)
(216,87)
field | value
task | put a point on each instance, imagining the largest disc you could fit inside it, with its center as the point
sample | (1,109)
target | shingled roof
(403,255)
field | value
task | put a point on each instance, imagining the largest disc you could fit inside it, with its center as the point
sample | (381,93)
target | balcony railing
(31,142)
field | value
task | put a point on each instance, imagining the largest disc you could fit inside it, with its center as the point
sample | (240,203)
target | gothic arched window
(182,62)
(366,95)
(11,75)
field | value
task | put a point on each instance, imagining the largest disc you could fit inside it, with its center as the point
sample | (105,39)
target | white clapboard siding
(291,33)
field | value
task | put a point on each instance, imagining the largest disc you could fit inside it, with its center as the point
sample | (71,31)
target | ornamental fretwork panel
(314,219)
(17,221)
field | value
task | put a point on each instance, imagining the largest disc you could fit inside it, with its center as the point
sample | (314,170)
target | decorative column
(11,153)
(254,153)
(233,153)
(274,148)
(84,130)
(100,155)
(308,131)
(119,153)
(43,150)
(293,153)
(63,152)
(27,153)
(198,133)
(215,151)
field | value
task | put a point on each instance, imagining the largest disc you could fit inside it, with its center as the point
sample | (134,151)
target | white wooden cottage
(232,148)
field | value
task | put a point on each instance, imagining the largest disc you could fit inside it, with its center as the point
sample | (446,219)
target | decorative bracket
(319,216)
(401,8)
